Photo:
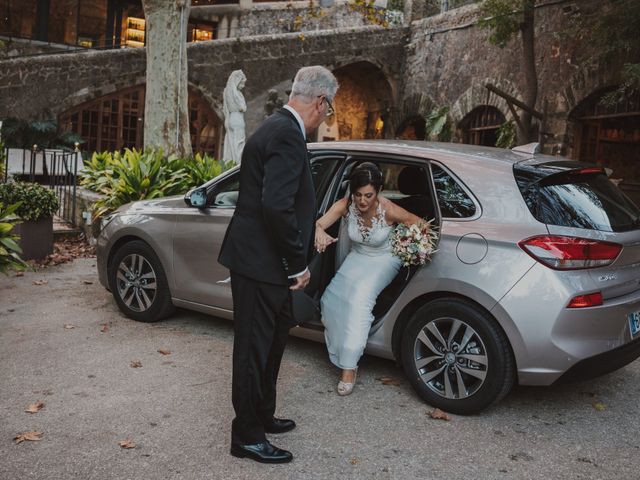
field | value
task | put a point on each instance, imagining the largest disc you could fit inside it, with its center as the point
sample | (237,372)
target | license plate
(634,323)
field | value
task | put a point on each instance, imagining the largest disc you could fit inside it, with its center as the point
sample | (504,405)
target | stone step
(63,229)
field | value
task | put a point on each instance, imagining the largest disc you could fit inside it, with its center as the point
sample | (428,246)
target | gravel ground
(63,342)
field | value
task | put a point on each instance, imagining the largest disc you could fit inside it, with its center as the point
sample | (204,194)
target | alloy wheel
(450,358)
(136,282)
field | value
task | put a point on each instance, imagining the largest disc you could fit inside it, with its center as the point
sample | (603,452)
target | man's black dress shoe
(262,452)
(280,425)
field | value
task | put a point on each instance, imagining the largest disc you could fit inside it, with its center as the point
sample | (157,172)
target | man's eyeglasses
(330,110)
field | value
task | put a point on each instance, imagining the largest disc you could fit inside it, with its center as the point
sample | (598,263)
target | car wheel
(139,284)
(457,357)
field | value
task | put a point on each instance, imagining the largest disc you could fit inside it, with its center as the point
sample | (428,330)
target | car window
(226,192)
(322,170)
(454,201)
(580,200)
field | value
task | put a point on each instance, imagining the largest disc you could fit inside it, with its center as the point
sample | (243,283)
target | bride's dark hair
(366,173)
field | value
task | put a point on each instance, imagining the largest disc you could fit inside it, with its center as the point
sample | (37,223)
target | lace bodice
(371,239)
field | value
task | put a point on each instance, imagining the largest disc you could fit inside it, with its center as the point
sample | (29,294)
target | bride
(348,301)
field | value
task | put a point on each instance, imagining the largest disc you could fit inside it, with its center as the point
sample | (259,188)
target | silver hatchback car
(536,278)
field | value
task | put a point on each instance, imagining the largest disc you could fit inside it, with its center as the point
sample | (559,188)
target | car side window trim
(465,189)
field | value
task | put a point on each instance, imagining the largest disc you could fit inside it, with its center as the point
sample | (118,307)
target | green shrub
(3,160)
(438,125)
(36,201)
(202,168)
(19,133)
(138,175)
(9,249)
(135,175)
(506,135)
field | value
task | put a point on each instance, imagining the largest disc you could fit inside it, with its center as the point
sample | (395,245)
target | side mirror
(198,198)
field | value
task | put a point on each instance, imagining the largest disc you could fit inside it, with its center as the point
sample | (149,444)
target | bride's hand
(323,240)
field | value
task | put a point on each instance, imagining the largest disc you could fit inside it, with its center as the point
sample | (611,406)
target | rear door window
(454,201)
(580,200)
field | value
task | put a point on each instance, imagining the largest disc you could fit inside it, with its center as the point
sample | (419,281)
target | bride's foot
(347,382)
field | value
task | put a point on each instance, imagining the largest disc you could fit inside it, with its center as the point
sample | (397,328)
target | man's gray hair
(314,81)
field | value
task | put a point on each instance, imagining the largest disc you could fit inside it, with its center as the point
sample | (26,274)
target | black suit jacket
(270,233)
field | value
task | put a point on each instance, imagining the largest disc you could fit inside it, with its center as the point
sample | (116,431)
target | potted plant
(37,204)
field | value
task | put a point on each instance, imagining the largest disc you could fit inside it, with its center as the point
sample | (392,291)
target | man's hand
(301,281)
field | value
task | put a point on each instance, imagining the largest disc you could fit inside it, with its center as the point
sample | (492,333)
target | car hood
(155,204)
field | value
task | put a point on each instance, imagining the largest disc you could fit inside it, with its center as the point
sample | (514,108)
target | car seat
(413,182)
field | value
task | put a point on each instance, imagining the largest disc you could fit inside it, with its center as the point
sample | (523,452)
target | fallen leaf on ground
(164,351)
(29,436)
(65,251)
(439,415)
(136,364)
(40,282)
(127,443)
(389,381)
(34,407)
(68,326)
(19,274)
(104,328)
(599,406)
(354,461)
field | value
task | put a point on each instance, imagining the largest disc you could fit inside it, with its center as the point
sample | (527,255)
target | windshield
(580,200)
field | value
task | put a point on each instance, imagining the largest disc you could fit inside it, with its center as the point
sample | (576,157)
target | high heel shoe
(345,388)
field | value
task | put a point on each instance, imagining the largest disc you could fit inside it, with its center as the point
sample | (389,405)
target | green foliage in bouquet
(9,249)
(36,202)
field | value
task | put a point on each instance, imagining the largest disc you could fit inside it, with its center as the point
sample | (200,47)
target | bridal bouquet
(414,244)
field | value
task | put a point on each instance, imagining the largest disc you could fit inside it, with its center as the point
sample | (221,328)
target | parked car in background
(536,279)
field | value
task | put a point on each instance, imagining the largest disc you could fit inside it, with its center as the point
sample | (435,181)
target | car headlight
(104,221)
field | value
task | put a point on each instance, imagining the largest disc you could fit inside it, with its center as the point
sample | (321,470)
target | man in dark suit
(265,248)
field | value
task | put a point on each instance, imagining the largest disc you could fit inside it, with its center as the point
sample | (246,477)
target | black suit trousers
(262,319)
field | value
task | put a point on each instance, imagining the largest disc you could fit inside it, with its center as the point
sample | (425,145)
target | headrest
(412,181)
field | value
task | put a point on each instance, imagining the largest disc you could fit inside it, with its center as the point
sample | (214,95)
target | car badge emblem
(607,277)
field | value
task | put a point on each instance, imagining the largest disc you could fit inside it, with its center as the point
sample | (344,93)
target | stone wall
(44,87)
(441,60)
(449,60)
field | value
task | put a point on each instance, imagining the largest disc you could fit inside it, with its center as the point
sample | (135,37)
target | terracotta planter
(36,238)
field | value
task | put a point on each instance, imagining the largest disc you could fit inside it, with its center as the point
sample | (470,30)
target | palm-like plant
(138,176)
(9,249)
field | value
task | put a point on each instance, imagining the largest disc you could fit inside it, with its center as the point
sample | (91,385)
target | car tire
(456,356)
(139,284)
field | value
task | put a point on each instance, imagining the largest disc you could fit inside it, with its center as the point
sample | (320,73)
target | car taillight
(570,253)
(581,301)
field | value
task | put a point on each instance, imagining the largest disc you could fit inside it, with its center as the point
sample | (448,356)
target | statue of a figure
(273,102)
(233,108)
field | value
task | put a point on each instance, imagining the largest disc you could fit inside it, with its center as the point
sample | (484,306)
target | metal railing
(56,169)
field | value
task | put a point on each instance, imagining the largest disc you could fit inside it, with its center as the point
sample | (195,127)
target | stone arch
(477,95)
(411,115)
(608,135)
(114,120)
(363,103)
(586,83)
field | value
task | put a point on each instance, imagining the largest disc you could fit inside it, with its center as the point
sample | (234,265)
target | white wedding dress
(348,301)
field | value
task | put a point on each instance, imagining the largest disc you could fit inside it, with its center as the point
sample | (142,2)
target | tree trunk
(529,68)
(166,116)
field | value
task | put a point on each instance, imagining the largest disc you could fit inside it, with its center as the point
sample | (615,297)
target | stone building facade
(391,78)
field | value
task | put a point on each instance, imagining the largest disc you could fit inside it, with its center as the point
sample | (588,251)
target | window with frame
(225,193)
(454,201)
